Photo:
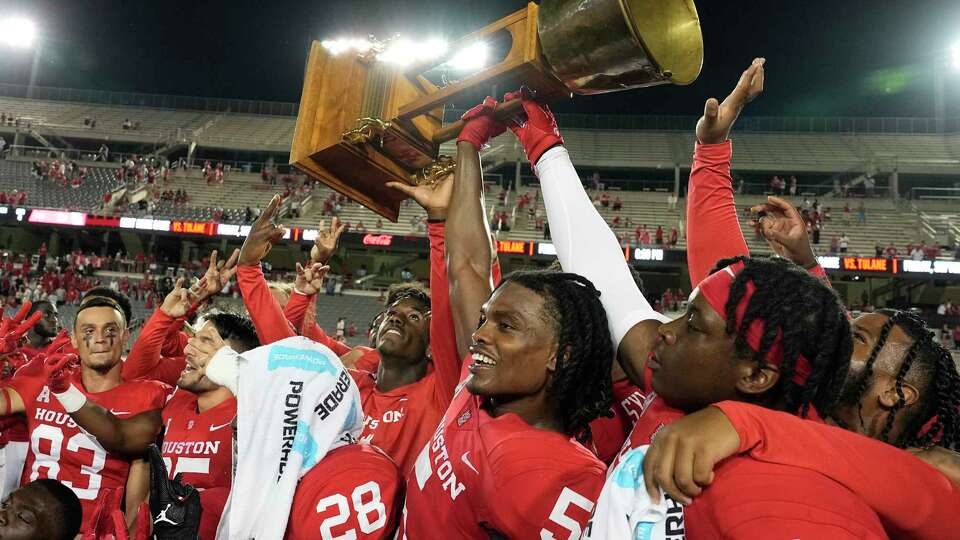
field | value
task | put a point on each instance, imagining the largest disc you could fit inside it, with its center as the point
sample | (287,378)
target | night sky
(837,57)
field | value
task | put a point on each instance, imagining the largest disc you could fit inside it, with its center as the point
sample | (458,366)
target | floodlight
(471,58)
(337,46)
(403,52)
(17,32)
(955,55)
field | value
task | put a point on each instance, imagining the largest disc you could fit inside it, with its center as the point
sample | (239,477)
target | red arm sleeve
(713,230)
(911,498)
(176,340)
(264,309)
(443,339)
(297,308)
(145,355)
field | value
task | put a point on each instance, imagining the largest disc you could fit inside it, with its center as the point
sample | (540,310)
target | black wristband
(437,220)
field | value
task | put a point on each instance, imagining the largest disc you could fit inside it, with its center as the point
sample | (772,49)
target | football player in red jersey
(196,420)
(410,384)
(59,449)
(43,333)
(505,460)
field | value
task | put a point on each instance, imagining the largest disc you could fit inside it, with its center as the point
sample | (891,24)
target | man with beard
(41,335)
(196,420)
(59,449)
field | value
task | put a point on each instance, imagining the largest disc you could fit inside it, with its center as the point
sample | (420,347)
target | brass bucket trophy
(363,123)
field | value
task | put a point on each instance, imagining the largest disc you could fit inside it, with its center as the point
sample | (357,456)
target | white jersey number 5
(559,514)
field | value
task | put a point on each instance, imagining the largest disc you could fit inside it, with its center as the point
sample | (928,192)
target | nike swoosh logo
(113,412)
(466,462)
(221,426)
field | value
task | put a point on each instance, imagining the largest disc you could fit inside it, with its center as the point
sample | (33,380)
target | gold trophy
(363,122)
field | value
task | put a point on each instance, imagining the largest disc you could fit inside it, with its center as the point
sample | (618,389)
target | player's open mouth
(482,361)
(392,332)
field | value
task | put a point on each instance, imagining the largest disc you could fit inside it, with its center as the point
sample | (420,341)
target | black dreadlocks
(929,367)
(581,384)
(810,320)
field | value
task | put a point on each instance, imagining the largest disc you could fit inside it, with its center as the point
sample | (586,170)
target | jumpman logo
(163,516)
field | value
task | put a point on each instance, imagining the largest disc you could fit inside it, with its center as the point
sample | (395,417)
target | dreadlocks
(810,320)
(581,384)
(935,420)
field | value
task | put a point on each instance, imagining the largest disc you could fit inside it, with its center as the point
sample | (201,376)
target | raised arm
(146,356)
(435,199)
(585,244)
(265,311)
(130,436)
(713,229)
(468,239)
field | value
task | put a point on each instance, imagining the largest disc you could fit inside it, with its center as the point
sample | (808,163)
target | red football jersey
(609,433)
(60,450)
(354,492)
(654,414)
(479,473)
(199,445)
(401,421)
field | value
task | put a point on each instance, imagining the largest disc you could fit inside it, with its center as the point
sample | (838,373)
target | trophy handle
(504,111)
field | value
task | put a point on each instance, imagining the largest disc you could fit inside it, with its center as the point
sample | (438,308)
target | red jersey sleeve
(443,341)
(296,311)
(145,355)
(911,498)
(713,230)
(264,309)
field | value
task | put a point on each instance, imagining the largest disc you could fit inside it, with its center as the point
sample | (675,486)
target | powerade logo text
(334,398)
(303,359)
(291,417)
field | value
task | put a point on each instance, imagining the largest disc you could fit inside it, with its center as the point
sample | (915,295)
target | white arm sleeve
(585,244)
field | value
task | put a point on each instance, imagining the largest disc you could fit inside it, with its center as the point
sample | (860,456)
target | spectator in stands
(740,187)
(891,251)
(406,274)
(659,235)
(846,213)
(869,185)
(834,245)
(617,204)
(546,231)
(878,249)
(845,189)
(616,221)
(956,337)
(793,185)
(672,202)
(844,242)
(3,144)
(605,199)
(361,228)
(916,252)
(956,252)
(596,181)
(674,236)
(341,328)
(861,214)
(127,124)
(815,232)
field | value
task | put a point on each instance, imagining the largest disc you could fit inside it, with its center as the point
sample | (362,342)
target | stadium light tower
(955,55)
(21,33)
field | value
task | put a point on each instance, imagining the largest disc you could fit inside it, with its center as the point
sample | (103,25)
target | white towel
(295,403)
(625,511)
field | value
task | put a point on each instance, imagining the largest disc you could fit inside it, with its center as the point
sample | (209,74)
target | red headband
(715,289)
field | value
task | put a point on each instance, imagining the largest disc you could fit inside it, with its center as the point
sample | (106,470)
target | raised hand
(310,278)
(263,234)
(201,347)
(218,274)
(179,301)
(327,239)
(786,231)
(434,198)
(59,369)
(13,329)
(681,458)
(536,128)
(58,343)
(175,506)
(718,118)
(481,125)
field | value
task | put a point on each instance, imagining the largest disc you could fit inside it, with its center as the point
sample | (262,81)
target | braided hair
(936,418)
(810,320)
(581,384)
